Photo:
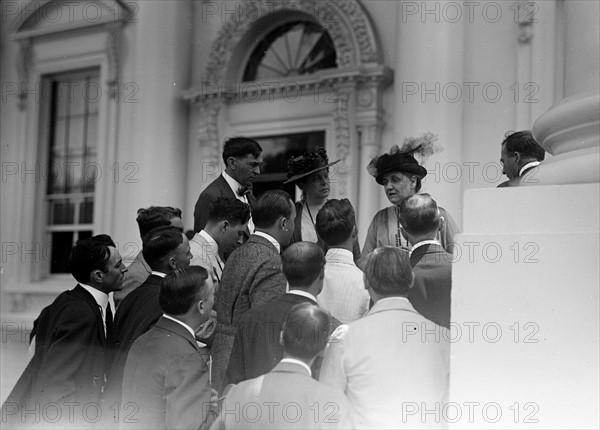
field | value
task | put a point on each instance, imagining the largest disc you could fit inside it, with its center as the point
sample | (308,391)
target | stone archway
(358,80)
(347,24)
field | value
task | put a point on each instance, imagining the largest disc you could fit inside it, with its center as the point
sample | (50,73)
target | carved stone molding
(342,125)
(23,67)
(345,21)
(372,78)
(208,130)
(112,43)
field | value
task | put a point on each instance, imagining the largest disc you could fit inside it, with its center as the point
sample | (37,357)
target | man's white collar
(528,166)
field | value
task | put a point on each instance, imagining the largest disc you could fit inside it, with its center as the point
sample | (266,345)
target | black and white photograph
(300,214)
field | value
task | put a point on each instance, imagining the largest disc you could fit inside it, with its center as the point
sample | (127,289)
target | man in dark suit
(252,275)
(167,373)
(165,249)
(147,220)
(256,348)
(520,156)
(432,265)
(72,344)
(314,405)
(242,158)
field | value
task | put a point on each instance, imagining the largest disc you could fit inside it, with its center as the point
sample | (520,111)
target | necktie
(219,268)
(244,190)
(108,322)
(108,326)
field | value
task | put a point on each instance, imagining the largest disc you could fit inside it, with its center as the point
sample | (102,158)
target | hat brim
(302,175)
(407,169)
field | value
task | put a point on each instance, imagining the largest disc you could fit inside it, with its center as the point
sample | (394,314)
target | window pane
(61,96)
(62,242)
(86,211)
(93,95)
(92,133)
(61,211)
(295,48)
(76,97)
(72,169)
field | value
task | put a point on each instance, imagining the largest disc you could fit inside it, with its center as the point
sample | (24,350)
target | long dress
(385,231)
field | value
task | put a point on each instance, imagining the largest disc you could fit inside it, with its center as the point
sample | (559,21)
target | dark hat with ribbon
(308,163)
(403,159)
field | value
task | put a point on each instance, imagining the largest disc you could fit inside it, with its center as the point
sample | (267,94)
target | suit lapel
(82,294)
(224,188)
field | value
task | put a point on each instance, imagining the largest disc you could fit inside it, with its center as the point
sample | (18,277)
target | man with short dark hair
(287,396)
(432,265)
(167,371)
(242,158)
(252,274)
(72,341)
(520,156)
(147,219)
(256,348)
(165,249)
(392,356)
(344,294)
(227,222)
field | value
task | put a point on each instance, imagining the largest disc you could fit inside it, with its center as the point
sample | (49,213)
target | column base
(570,130)
(525,315)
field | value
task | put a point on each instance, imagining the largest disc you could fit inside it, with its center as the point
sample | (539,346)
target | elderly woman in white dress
(400,174)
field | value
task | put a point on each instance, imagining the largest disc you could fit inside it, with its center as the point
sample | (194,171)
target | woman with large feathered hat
(399,172)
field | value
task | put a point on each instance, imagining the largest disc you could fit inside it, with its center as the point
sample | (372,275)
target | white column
(369,136)
(429,63)
(570,130)
(525,280)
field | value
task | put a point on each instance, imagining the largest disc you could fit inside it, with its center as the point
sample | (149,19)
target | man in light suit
(432,265)
(227,222)
(287,396)
(344,294)
(167,374)
(242,158)
(520,156)
(72,344)
(256,348)
(147,220)
(252,274)
(166,249)
(386,373)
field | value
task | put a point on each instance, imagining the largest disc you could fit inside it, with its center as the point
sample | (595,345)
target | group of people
(270,316)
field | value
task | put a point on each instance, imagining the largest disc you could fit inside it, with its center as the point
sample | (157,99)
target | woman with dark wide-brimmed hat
(399,172)
(310,172)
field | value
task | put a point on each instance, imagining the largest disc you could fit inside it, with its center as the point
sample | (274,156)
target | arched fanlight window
(293,49)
